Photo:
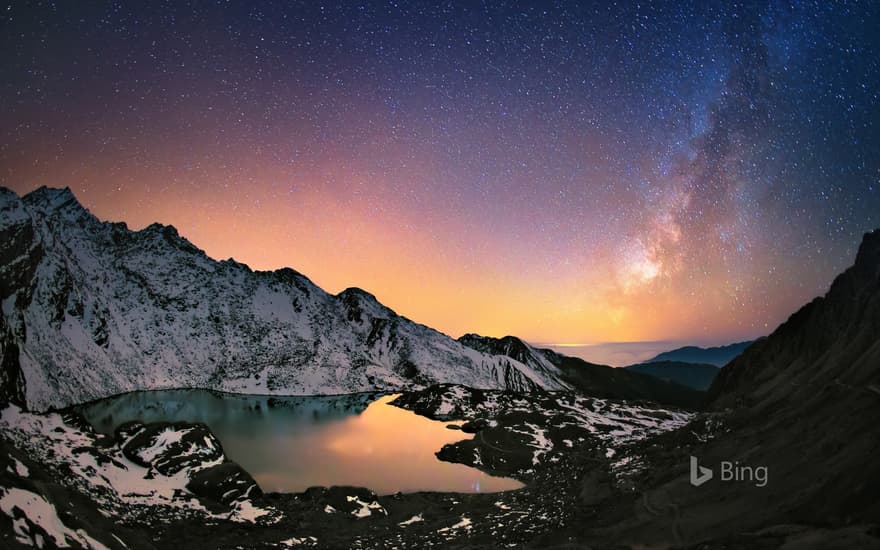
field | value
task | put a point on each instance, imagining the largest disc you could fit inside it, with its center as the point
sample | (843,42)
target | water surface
(291,443)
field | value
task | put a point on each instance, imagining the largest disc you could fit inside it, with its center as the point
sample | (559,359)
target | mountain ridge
(590,378)
(91,308)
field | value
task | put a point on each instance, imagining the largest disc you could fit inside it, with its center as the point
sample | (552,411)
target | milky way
(563,172)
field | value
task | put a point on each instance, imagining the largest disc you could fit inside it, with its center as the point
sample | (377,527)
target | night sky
(563,172)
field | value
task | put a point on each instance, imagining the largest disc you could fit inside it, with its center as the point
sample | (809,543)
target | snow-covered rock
(162,472)
(91,309)
(519,433)
(33,516)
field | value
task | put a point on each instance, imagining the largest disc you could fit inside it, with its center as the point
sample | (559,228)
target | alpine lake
(289,444)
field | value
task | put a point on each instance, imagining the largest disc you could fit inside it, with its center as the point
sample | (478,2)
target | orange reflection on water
(377,429)
(385,448)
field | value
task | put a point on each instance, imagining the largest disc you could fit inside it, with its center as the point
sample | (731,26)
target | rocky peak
(168,235)
(355,293)
(50,199)
(360,302)
(511,346)
(290,276)
(12,211)
(868,256)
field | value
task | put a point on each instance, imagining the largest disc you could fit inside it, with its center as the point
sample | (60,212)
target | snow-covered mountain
(91,309)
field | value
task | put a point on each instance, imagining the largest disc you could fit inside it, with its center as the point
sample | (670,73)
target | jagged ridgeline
(92,309)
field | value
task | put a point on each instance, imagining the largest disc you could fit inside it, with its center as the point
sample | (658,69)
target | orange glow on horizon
(433,277)
(451,273)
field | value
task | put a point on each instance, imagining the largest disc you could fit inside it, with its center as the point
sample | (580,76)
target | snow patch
(26,507)
(18,468)
(303,541)
(465,524)
(366,508)
(540,441)
(415,519)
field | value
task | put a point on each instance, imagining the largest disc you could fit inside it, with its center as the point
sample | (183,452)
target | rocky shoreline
(598,473)
(167,485)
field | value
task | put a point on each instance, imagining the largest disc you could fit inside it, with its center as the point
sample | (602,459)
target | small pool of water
(292,443)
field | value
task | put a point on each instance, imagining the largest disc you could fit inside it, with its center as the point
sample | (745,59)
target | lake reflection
(291,443)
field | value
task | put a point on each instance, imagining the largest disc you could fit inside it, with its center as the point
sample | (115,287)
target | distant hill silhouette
(718,356)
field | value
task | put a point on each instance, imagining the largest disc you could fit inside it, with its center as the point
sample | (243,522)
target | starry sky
(568,172)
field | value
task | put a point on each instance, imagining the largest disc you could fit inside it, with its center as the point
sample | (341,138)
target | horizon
(623,354)
(615,354)
(562,174)
(612,353)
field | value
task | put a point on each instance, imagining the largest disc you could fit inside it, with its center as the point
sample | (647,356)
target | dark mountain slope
(805,404)
(833,340)
(692,375)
